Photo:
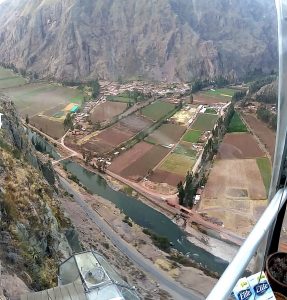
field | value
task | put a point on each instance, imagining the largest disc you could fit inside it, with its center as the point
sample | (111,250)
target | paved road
(177,291)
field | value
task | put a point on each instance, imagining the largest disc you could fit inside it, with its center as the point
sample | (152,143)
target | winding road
(177,291)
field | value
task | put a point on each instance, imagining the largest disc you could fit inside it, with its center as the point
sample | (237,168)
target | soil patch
(264,133)
(161,176)
(129,157)
(134,123)
(239,145)
(53,128)
(140,168)
(166,134)
(237,175)
(106,111)
(114,136)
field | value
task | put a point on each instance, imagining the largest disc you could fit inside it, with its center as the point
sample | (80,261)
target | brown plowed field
(161,176)
(134,123)
(98,146)
(265,134)
(114,136)
(231,176)
(140,167)
(55,129)
(129,157)
(166,134)
(106,111)
(239,145)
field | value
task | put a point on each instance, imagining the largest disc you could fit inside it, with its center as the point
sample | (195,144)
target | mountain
(34,230)
(152,39)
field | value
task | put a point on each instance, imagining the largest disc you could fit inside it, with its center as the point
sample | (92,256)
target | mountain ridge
(158,40)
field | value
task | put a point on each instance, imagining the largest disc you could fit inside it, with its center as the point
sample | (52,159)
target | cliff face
(162,40)
(32,225)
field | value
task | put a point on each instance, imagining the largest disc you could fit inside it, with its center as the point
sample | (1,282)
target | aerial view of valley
(136,144)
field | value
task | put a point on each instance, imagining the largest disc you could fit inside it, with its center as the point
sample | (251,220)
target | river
(140,213)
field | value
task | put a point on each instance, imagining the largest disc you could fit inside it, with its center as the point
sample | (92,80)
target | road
(177,291)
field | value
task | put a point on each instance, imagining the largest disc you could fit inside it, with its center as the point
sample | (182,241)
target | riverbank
(135,237)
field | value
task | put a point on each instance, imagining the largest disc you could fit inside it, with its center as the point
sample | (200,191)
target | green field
(192,136)
(210,111)
(178,164)
(265,170)
(8,79)
(204,122)
(182,149)
(119,98)
(157,110)
(236,124)
(222,92)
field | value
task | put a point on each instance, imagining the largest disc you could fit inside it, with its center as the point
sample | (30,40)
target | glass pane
(91,271)
(68,272)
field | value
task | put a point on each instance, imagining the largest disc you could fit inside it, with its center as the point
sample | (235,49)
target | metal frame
(234,271)
(264,238)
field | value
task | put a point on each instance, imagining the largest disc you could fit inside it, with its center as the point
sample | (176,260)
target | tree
(96,88)
(191,98)
(68,123)
(189,190)
(238,95)
(97,125)
(181,193)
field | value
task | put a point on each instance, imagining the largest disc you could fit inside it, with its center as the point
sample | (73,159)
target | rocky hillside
(161,40)
(32,226)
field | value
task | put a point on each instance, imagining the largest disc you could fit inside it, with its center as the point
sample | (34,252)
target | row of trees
(198,84)
(187,191)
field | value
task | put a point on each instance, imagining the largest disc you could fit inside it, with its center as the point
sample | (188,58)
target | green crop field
(222,92)
(157,110)
(210,111)
(204,122)
(178,164)
(120,99)
(182,149)
(265,170)
(192,136)
(236,124)
(8,79)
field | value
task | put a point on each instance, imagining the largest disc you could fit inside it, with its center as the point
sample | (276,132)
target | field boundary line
(261,145)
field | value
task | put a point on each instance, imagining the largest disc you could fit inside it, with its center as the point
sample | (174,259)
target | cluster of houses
(161,89)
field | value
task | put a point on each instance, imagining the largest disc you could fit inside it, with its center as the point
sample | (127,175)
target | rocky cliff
(161,40)
(32,225)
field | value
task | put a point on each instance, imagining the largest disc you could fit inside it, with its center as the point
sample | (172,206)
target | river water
(140,213)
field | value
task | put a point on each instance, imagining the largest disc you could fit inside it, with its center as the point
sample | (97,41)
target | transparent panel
(109,292)
(128,294)
(68,272)
(111,272)
(91,271)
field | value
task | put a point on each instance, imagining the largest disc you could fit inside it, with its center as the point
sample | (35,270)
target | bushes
(161,242)
(267,117)
(127,220)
